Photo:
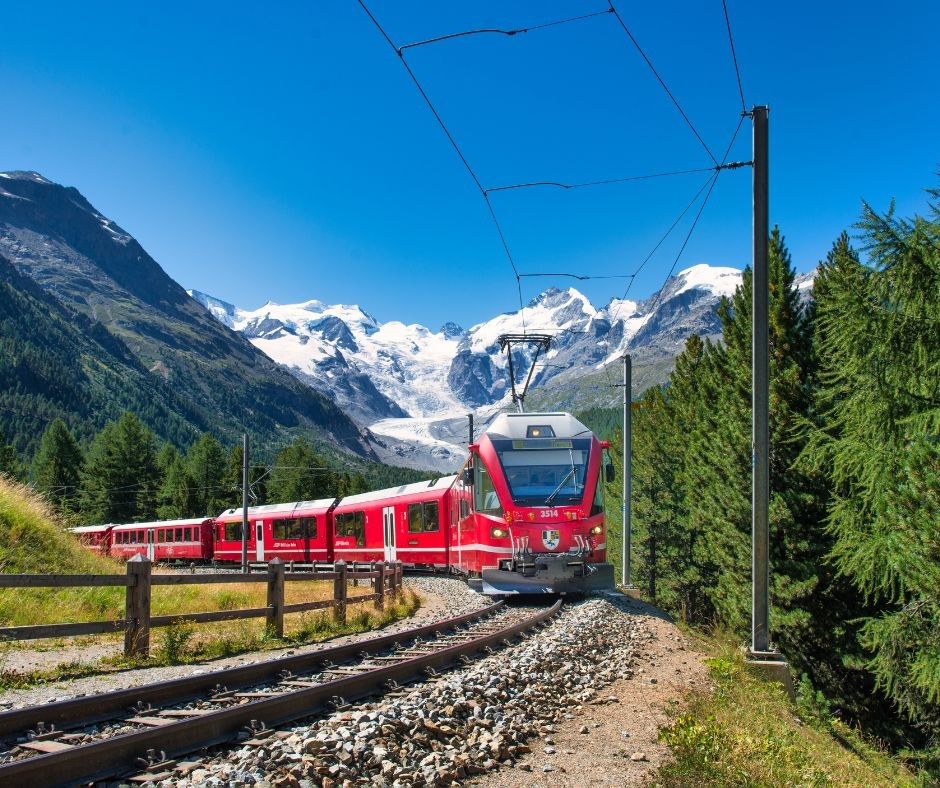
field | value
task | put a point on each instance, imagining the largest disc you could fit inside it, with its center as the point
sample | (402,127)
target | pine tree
(57,466)
(9,460)
(299,474)
(718,472)
(179,495)
(206,465)
(120,476)
(879,348)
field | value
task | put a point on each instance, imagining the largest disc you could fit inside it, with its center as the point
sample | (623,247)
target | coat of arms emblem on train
(550,539)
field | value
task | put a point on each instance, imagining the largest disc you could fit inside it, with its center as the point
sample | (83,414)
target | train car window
(544,472)
(432,520)
(179,535)
(598,506)
(280,529)
(464,508)
(486,498)
(233,532)
(352,524)
(309,527)
(187,534)
(160,536)
(423,517)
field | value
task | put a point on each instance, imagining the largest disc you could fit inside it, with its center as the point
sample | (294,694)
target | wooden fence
(139,580)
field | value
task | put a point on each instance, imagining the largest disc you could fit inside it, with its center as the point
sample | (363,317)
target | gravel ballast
(441,598)
(465,723)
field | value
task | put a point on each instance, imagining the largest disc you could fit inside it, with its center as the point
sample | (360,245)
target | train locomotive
(538,502)
(525,514)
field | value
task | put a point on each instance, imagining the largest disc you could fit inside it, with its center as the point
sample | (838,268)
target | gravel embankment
(465,723)
(441,598)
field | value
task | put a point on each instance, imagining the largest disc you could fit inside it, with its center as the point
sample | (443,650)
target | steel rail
(111,705)
(109,757)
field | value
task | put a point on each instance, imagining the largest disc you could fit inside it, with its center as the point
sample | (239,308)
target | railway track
(144,731)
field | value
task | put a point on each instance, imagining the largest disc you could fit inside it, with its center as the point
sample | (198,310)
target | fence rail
(139,581)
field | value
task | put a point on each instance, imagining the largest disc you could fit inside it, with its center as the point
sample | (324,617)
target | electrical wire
(734,55)
(662,82)
(604,182)
(476,180)
(500,31)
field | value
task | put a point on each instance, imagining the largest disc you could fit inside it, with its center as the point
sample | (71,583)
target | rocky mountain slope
(96,277)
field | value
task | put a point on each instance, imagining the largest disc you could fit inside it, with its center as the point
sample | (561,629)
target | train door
(259,540)
(388,519)
(150,548)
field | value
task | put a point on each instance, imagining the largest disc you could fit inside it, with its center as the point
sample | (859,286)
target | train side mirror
(610,473)
(468,476)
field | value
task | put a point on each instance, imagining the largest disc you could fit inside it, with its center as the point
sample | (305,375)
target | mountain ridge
(52,235)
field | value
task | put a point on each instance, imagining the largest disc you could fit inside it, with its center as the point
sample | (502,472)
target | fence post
(398,572)
(379,586)
(137,608)
(275,615)
(339,593)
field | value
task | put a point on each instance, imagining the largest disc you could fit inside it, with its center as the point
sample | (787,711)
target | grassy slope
(747,732)
(32,542)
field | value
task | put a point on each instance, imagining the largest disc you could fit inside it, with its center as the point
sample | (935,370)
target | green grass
(747,732)
(32,541)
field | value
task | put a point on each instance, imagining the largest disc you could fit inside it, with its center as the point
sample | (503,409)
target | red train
(524,514)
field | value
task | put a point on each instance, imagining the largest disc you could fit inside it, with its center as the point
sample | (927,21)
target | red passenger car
(407,524)
(165,540)
(96,538)
(300,531)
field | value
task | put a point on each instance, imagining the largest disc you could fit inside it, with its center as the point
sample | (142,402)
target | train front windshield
(544,471)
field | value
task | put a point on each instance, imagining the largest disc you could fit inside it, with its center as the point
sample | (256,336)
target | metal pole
(470,419)
(760,379)
(245,502)
(627,470)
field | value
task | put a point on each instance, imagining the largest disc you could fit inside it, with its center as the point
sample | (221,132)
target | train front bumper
(547,573)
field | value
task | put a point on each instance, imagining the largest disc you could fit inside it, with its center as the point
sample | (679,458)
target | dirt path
(614,741)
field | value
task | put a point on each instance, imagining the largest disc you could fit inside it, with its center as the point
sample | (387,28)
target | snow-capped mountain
(413,386)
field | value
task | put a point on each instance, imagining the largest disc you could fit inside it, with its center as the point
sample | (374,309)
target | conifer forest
(855,477)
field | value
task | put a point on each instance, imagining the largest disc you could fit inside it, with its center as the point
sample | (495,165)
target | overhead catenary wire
(709,185)
(604,182)
(662,82)
(734,55)
(501,31)
(440,120)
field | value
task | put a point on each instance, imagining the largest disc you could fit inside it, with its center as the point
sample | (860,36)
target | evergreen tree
(120,476)
(299,474)
(9,460)
(179,495)
(57,466)
(879,348)
(206,465)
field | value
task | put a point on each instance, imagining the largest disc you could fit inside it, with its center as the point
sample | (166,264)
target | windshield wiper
(560,485)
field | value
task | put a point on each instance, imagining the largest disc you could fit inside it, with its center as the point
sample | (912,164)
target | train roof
(164,523)
(516,425)
(87,529)
(440,484)
(277,508)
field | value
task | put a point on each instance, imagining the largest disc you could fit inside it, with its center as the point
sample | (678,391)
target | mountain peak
(716,279)
(24,175)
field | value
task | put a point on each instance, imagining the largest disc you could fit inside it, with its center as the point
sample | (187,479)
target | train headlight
(597,529)
(499,533)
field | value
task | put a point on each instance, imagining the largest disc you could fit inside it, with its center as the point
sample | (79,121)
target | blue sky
(283,153)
